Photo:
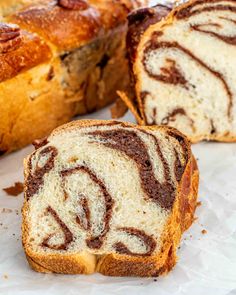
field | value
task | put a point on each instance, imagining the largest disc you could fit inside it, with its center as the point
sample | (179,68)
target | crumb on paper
(15,190)
(73,159)
(6,210)
(199,203)
(204,231)
(5,276)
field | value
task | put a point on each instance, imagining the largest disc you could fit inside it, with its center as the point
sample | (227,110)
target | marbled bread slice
(184,68)
(109,197)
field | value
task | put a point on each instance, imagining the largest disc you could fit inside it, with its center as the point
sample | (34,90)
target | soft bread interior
(68,206)
(187,70)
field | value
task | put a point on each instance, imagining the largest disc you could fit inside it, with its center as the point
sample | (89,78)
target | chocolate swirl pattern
(105,188)
(130,143)
(187,67)
(171,117)
(149,242)
(202,28)
(68,236)
(93,242)
(36,174)
(84,221)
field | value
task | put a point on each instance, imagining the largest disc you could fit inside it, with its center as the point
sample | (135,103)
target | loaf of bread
(58,58)
(183,67)
(108,197)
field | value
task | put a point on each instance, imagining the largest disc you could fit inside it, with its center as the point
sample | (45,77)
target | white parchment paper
(207,262)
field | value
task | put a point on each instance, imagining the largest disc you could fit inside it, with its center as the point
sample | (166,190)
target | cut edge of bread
(138,111)
(229,138)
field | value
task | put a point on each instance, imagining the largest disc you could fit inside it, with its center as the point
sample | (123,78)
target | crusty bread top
(31,51)
(64,24)
(69,28)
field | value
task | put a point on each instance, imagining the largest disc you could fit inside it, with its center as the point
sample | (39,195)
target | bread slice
(108,197)
(184,68)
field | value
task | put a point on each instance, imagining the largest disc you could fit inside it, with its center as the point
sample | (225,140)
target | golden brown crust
(31,52)
(180,219)
(80,26)
(39,89)
(130,105)
(227,138)
(118,109)
(36,266)
(39,103)
(67,29)
(122,265)
(33,109)
(65,264)
(188,194)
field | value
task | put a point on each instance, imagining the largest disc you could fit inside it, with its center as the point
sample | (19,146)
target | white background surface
(207,263)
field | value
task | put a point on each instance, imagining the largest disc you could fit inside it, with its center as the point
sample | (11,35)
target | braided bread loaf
(58,58)
(110,197)
(183,67)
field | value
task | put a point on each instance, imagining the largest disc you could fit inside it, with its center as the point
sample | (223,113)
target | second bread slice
(184,67)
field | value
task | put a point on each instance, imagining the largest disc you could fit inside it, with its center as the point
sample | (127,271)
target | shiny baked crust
(181,217)
(38,91)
